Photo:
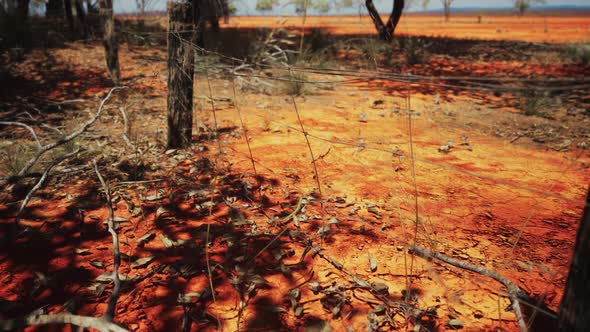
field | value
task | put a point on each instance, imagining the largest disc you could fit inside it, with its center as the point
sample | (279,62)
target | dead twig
(270,243)
(361,283)
(135,183)
(323,155)
(43,149)
(216,132)
(39,184)
(315,168)
(409,110)
(243,126)
(209,274)
(126,127)
(209,262)
(514,292)
(27,127)
(111,308)
(81,321)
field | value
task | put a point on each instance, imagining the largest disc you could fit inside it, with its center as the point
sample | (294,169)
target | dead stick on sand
(514,292)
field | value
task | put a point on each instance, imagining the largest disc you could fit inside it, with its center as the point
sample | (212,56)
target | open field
(530,28)
(471,140)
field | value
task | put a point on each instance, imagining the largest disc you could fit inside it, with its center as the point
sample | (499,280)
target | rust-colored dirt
(531,29)
(500,198)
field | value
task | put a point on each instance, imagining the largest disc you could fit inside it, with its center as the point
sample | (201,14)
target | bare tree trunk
(447,8)
(91,7)
(141,5)
(69,14)
(80,12)
(214,22)
(575,304)
(199,21)
(303,28)
(14,22)
(54,8)
(109,39)
(81,15)
(23,9)
(7,7)
(225,11)
(386,30)
(181,58)
(521,6)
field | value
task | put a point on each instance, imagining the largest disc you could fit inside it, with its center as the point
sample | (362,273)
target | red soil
(573,29)
(509,207)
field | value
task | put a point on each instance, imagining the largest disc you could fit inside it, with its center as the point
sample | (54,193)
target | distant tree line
(520,6)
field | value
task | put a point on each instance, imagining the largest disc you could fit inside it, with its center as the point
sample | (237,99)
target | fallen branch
(43,149)
(209,274)
(65,171)
(112,305)
(270,243)
(281,221)
(126,127)
(27,127)
(81,321)
(514,292)
(40,183)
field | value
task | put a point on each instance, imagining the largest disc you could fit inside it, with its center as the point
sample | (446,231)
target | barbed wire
(352,76)
(535,306)
(398,153)
(532,303)
(479,82)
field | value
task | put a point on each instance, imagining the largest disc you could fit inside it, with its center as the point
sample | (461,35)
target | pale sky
(247,7)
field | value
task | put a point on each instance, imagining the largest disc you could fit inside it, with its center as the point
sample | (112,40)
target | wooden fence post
(575,304)
(181,67)
(109,40)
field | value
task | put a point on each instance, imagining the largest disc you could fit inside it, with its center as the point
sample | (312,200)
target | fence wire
(425,230)
(410,207)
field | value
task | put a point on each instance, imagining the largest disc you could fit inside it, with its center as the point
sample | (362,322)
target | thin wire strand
(244,129)
(363,146)
(315,169)
(413,168)
(362,75)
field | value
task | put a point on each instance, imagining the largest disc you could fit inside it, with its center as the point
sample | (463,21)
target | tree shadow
(207,217)
(58,260)
(438,59)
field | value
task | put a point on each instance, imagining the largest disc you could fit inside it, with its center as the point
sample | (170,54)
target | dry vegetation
(314,180)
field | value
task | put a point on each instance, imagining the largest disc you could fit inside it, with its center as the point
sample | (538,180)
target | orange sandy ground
(518,216)
(477,220)
(531,29)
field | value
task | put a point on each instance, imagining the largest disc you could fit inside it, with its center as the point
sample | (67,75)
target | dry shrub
(579,53)
(414,50)
(294,83)
(536,103)
(13,157)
